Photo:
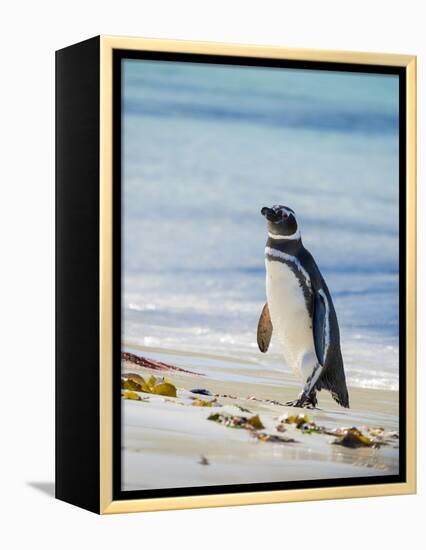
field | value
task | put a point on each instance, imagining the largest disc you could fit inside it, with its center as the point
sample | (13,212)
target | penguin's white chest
(290,318)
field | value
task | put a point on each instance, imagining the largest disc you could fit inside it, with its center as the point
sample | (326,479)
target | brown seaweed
(232,421)
(152,363)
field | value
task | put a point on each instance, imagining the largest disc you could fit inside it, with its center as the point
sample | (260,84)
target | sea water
(205,147)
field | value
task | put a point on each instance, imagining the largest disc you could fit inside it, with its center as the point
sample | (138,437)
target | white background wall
(30,32)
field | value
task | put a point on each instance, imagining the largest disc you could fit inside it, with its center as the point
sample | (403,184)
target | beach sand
(168,442)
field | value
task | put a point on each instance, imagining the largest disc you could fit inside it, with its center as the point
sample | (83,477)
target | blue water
(204,148)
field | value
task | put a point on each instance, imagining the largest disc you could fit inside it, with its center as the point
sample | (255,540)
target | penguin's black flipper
(327,348)
(264,329)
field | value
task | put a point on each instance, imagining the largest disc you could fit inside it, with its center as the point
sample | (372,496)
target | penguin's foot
(295,403)
(304,401)
(300,403)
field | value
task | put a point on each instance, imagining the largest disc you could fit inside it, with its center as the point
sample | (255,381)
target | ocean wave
(324,119)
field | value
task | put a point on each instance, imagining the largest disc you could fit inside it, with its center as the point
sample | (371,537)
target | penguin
(300,311)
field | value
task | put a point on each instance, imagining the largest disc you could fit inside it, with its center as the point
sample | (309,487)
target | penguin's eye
(285,215)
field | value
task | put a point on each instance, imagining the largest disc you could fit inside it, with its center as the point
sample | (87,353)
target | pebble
(201,391)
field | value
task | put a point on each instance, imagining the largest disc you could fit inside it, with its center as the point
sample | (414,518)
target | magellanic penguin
(300,310)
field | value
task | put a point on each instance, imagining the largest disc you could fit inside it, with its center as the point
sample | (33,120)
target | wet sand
(168,442)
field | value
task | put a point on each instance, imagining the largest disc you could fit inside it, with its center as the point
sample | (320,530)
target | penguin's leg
(308,397)
(309,388)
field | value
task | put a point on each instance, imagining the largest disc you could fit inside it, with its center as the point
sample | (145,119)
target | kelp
(203,403)
(132,382)
(156,386)
(131,395)
(127,357)
(163,388)
(241,422)
(298,420)
(301,422)
(353,438)
(255,423)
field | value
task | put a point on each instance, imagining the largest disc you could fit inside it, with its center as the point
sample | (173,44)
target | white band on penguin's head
(283,209)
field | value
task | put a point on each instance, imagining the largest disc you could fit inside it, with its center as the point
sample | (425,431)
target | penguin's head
(282,222)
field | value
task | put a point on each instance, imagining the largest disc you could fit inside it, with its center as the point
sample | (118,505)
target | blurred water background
(204,148)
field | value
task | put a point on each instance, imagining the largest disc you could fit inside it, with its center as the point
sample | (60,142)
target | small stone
(201,391)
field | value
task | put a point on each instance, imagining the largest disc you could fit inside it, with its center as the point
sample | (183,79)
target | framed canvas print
(235,274)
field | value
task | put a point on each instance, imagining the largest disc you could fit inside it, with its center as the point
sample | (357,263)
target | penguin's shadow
(46,487)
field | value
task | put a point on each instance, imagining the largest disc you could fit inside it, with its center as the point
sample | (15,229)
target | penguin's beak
(269,214)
